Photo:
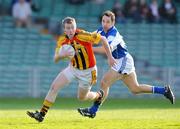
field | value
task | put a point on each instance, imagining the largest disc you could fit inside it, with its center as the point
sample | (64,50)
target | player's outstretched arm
(99,50)
(107,49)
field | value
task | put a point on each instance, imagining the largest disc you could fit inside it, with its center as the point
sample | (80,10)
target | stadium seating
(26,55)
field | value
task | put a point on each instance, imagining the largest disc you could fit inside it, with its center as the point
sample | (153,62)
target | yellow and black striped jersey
(82,43)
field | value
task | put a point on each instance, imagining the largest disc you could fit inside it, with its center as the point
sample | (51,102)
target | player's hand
(112,61)
(66,54)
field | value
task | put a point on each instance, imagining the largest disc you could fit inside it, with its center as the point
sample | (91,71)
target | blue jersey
(116,42)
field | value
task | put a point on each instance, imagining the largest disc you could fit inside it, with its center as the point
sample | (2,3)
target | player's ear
(113,23)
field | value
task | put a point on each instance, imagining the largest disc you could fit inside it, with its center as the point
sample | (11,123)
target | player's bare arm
(57,56)
(107,49)
(99,50)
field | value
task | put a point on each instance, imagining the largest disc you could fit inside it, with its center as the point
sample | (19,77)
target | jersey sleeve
(96,37)
(93,38)
(59,43)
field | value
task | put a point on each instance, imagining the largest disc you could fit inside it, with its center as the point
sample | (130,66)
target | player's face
(70,29)
(106,23)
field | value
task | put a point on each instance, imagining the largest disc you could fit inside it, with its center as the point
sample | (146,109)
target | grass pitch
(114,114)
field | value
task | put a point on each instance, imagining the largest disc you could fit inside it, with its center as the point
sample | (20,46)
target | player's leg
(136,88)
(60,81)
(86,79)
(85,84)
(133,85)
(84,93)
(108,79)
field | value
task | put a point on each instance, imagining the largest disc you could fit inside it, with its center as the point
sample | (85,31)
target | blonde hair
(68,20)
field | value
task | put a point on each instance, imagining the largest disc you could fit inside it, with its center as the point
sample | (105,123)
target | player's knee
(103,84)
(53,89)
(81,98)
(135,90)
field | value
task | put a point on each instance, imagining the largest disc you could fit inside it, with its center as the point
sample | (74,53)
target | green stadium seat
(95,9)
(7,30)
(83,10)
(156,44)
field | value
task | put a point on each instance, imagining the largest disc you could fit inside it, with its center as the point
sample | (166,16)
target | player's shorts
(86,78)
(125,65)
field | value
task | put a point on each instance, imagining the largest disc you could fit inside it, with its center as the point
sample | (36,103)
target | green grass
(114,114)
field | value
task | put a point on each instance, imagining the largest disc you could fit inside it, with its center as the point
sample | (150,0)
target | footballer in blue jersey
(115,40)
(123,70)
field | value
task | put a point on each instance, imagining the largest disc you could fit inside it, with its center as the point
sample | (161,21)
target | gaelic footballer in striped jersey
(82,65)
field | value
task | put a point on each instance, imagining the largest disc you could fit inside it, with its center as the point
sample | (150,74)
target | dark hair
(68,20)
(109,14)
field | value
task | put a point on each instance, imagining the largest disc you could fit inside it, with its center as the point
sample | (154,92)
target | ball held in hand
(67,51)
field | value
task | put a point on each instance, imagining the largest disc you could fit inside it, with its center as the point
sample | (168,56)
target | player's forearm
(99,50)
(106,47)
(57,58)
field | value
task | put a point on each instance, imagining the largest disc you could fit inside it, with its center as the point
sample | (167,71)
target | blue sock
(94,108)
(158,89)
